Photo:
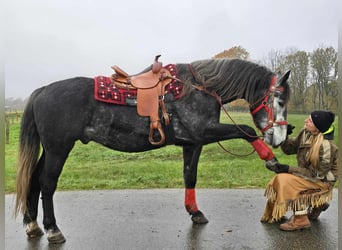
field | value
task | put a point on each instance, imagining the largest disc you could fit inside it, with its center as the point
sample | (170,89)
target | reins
(218,99)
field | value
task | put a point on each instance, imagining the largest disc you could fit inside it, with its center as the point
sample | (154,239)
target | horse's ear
(284,78)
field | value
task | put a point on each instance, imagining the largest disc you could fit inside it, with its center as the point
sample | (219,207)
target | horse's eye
(281,104)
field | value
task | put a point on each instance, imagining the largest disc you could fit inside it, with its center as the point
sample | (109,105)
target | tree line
(313,79)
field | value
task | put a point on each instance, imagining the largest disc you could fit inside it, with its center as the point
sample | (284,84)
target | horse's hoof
(33,230)
(199,218)
(55,236)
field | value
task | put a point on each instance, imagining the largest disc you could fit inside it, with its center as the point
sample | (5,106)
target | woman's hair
(316,142)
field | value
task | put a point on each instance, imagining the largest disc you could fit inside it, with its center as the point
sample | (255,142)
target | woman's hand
(277,167)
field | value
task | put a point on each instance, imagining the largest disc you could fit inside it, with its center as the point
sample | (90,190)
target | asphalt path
(156,219)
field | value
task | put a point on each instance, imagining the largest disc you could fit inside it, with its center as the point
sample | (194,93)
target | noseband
(267,104)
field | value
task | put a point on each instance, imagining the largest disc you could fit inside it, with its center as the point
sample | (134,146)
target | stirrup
(161,133)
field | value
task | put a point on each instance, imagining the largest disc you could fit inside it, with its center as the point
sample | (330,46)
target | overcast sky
(49,40)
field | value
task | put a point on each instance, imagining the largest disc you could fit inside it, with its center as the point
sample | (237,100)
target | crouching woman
(307,189)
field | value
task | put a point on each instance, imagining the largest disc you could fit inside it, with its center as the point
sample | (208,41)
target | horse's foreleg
(191,156)
(48,182)
(221,132)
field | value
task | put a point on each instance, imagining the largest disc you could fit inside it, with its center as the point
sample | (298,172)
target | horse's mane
(229,78)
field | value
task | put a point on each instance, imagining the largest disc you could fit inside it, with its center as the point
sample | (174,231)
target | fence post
(7,129)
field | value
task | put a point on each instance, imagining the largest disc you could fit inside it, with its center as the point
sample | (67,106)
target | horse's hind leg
(30,216)
(48,182)
(191,156)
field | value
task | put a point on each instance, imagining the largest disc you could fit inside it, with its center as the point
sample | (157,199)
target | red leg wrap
(190,200)
(264,152)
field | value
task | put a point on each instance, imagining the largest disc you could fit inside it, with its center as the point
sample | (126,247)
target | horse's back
(68,87)
(77,90)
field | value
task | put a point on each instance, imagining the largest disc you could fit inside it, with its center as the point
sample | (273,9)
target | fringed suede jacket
(326,170)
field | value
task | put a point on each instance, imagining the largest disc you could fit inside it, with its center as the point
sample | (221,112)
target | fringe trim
(301,203)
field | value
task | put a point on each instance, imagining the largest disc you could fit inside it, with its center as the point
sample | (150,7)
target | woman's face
(310,126)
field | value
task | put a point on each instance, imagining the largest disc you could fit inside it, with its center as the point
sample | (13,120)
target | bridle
(267,104)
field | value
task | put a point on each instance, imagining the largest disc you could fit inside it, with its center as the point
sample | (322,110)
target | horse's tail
(29,149)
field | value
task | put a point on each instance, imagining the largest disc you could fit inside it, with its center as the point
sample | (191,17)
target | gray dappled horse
(59,114)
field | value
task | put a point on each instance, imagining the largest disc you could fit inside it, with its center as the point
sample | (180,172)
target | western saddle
(150,94)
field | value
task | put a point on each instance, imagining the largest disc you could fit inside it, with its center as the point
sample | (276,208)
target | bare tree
(298,62)
(323,63)
(274,61)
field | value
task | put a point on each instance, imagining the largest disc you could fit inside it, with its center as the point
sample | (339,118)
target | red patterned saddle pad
(106,91)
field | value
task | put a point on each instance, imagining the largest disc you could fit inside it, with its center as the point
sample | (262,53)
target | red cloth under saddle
(106,91)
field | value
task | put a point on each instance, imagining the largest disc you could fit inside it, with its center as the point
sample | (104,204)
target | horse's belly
(125,141)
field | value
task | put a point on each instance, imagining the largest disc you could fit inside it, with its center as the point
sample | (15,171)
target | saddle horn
(157,66)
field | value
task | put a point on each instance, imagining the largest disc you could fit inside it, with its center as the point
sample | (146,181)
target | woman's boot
(316,211)
(299,221)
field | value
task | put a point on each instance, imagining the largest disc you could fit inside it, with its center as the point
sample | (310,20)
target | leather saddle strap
(163,109)
(156,125)
(162,105)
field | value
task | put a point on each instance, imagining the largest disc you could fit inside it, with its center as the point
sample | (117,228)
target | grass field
(93,166)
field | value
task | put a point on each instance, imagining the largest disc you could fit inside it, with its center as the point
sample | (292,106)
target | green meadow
(93,166)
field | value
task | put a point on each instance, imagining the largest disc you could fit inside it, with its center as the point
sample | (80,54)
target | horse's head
(270,112)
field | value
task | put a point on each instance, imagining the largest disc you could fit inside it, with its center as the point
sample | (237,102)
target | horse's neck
(239,91)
